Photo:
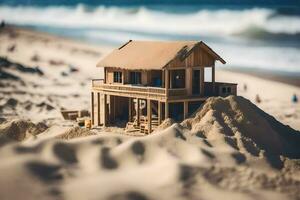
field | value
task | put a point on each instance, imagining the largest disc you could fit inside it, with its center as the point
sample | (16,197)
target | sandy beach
(56,56)
(232,148)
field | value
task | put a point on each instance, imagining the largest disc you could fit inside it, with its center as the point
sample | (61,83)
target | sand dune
(20,130)
(221,152)
(229,149)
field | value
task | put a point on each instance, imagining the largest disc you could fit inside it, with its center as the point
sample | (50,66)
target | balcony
(130,90)
(221,89)
(135,91)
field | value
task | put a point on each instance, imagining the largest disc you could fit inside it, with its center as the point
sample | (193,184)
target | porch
(164,94)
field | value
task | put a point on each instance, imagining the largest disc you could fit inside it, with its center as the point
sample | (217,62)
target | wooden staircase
(144,124)
(143,127)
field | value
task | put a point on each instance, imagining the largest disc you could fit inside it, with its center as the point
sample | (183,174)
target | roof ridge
(168,41)
(124,44)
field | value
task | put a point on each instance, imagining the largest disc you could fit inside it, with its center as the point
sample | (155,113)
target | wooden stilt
(185,109)
(163,79)
(149,116)
(105,110)
(98,107)
(167,82)
(92,110)
(129,109)
(138,111)
(159,112)
(213,79)
(113,113)
(166,110)
(189,80)
(171,79)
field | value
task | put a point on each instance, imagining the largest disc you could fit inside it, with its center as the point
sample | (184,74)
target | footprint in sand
(106,160)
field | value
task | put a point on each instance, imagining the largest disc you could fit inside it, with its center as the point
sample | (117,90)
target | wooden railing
(130,89)
(97,82)
(177,92)
(226,89)
(221,89)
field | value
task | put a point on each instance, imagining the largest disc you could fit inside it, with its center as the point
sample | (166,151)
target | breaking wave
(246,38)
(143,19)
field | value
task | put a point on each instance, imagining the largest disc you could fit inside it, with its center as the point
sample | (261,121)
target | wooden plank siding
(197,58)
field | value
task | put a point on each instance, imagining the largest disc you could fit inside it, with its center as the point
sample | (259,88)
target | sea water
(262,35)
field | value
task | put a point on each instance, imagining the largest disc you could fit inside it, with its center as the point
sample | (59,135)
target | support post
(189,80)
(171,79)
(98,107)
(159,112)
(163,79)
(92,110)
(185,109)
(213,79)
(112,107)
(167,82)
(149,116)
(202,81)
(138,111)
(129,109)
(166,110)
(105,78)
(105,110)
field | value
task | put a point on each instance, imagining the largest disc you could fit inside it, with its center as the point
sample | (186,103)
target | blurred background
(250,34)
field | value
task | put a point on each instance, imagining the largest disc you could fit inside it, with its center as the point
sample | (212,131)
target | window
(178,78)
(135,78)
(223,90)
(117,77)
(229,90)
(208,74)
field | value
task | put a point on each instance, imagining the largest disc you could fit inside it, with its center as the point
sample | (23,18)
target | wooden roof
(145,55)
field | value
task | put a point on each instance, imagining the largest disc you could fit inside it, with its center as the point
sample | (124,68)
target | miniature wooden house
(146,82)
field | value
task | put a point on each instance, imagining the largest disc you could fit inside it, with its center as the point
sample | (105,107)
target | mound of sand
(21,129)
(7,64)
(249,127)
(165,124)
(229,149)
(75,133)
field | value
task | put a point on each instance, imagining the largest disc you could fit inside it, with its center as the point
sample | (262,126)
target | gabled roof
(150,54)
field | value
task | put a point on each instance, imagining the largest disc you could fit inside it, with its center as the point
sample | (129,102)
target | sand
(68,67)
(231,148)
(221,152)
(276,97)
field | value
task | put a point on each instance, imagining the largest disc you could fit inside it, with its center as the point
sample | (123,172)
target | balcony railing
(177,92)
(130,89)
(221,89)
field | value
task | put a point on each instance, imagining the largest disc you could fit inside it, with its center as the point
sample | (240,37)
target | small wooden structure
(146,82)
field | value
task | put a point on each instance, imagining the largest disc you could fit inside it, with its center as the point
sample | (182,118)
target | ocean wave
(222,22)
(238,55)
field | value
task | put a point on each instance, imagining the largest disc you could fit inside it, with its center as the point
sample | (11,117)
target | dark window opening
(176,111)
(117,77)
(223,90)
(194,106)
(229,90)
(135,78)
(196,82)
(178,78)
(156,76)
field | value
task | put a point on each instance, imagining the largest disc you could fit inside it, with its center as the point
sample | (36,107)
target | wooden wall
(118,108)
(198,58)
(145,76)
(109,76)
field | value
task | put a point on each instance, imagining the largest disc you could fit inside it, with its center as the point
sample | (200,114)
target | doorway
(196,82)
